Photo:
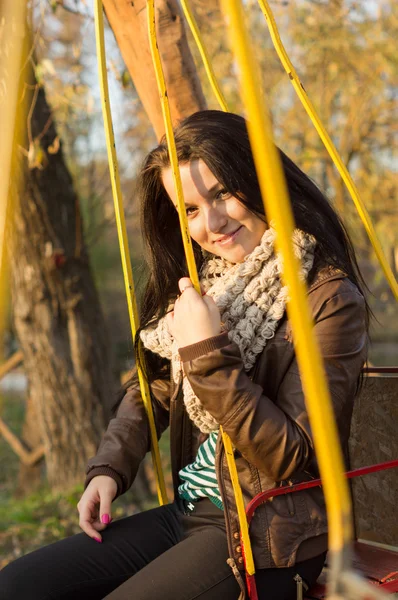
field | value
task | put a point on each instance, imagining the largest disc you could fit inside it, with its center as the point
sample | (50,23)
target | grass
(42,518)
(12,409)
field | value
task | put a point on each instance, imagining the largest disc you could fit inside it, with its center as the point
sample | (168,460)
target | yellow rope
(330,147)
(277,206)
(186,238)
(203,53)
(191,261)
(123,241)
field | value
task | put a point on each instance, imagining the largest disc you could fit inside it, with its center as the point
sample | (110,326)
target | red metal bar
(388,586)
(391,587)
(393,575)
(288,489)
(251,587)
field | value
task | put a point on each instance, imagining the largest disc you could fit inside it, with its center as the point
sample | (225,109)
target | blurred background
(66,340)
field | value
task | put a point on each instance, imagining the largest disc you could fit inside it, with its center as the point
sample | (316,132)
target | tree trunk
(56,309)
(30,476)
(129,23)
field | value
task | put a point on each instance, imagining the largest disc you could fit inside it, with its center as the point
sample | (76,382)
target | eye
(222,194)
(191,210)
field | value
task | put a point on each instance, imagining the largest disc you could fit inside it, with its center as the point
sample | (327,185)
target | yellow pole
(330,147)
(164,101)
(123,241)
(192,265)
(204,55)
(12,32)
(277,206)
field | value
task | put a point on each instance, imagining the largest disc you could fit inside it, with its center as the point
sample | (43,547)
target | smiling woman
(224,359)
(218,221)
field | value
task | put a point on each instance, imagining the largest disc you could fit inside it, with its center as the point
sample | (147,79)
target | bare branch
(73,11)
(11,363)
(28,458)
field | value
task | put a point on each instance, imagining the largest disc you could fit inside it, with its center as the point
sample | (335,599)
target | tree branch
(11,363)
(73,11)
(28,458)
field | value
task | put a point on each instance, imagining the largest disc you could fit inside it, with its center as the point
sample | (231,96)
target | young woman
(225,358)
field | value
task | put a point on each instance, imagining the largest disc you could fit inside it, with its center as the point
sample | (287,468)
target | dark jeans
(159,554)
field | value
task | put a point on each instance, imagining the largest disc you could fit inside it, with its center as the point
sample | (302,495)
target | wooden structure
(374,439)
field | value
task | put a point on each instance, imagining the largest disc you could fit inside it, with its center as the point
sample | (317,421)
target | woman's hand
(95,505)
(195,318)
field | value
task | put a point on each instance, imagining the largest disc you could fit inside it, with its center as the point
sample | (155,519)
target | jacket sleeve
(127,438)
(275,435)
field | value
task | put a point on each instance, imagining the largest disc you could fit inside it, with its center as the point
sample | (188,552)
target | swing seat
(378,565)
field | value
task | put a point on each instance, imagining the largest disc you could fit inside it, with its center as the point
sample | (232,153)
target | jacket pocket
(290,505)
(284,504)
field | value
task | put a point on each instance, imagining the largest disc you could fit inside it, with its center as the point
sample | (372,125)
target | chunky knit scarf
(251,300)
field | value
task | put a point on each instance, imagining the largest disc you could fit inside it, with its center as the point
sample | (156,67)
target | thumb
(106,507)
(210,303)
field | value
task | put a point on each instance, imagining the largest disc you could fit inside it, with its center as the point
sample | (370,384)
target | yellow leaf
(54,147)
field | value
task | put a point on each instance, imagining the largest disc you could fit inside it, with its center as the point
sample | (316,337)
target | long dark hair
(221,140)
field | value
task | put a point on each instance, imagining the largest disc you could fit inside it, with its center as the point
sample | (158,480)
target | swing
(342,580)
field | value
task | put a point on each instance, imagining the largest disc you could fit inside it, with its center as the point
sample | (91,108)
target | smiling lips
(227,239)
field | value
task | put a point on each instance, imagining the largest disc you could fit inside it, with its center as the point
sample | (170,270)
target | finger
(208,300)
(86,523)
(170,320)
(184,283)
(98,526)
(106,507)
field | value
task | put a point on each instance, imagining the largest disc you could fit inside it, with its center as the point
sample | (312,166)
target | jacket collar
(328,273)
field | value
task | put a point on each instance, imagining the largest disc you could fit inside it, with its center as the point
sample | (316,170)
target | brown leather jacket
(265,416)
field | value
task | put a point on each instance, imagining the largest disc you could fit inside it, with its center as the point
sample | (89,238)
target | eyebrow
(209,192)
(212,189)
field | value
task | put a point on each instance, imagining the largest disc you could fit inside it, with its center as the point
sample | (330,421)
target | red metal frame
(288,489)
(390,586)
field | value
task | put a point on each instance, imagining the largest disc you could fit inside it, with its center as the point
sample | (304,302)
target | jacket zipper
(220,447)
(173,452)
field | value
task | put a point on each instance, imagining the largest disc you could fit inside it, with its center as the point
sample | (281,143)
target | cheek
(196,230)
(237,211)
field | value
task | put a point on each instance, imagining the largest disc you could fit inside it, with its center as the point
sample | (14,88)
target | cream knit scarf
(251,300)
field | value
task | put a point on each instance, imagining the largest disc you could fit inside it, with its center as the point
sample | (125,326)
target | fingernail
(98,540)
(105,519)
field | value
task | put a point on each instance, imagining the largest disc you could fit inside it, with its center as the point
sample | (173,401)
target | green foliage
(12,410)
(42,518)
(41,508)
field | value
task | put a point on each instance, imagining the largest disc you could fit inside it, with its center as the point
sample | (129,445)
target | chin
(235,256)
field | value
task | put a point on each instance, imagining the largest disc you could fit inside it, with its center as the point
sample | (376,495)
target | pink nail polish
(98,540)
(105,519)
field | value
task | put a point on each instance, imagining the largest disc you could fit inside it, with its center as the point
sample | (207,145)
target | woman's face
(217,221)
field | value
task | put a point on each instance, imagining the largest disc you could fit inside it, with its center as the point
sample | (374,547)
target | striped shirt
(199,478)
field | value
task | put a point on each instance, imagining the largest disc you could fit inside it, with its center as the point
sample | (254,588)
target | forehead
(196,179)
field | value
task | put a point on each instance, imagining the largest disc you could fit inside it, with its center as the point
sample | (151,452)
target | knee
(8,580)
(16,584)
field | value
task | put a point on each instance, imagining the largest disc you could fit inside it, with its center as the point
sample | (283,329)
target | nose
(216,219)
